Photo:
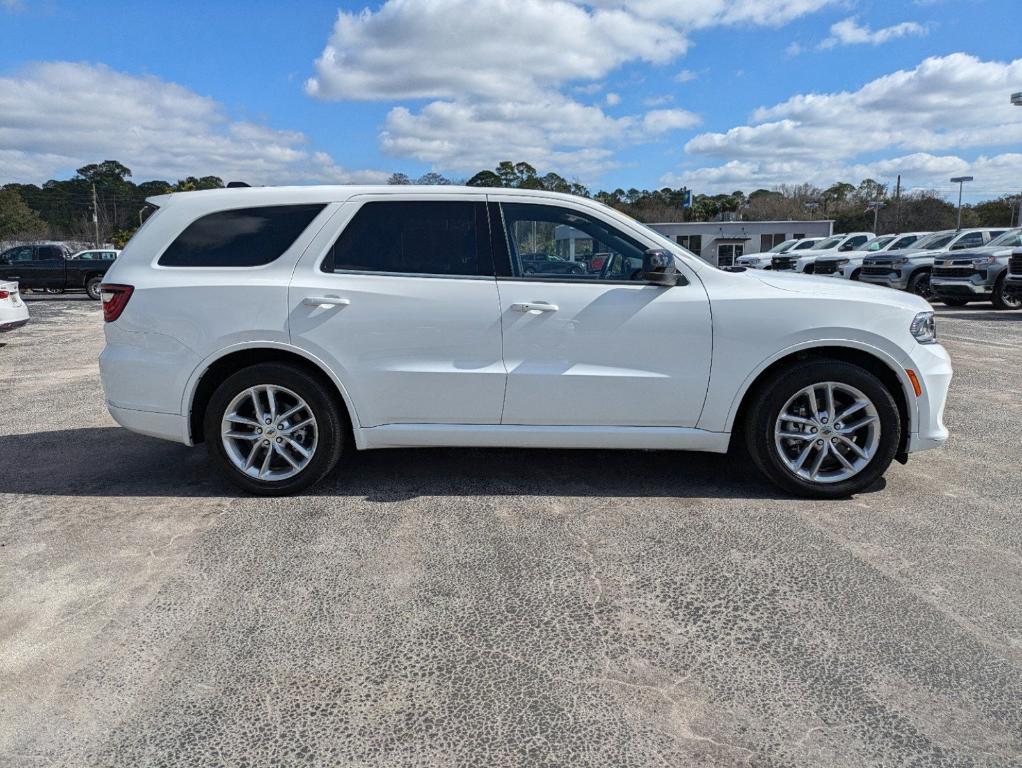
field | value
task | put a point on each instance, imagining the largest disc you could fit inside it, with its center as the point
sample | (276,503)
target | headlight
(924,328)
(984,261)
(842,262)
(901,260)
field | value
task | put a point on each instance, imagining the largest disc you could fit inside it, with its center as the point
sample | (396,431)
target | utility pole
(875,207)
(95,214)
(897,205)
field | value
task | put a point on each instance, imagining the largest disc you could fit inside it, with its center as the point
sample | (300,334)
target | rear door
(50,265)
(397,295)
(597,346)
(16,262)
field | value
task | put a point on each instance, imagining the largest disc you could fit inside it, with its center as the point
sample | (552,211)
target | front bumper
(932,366)
(949,286)
(893,279)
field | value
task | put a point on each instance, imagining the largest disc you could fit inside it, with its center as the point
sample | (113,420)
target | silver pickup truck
(909,270)
(977,274)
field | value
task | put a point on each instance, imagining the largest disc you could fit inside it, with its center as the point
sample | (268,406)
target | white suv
(285,326)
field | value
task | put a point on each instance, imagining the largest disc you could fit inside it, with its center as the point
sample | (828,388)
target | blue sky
(717,95)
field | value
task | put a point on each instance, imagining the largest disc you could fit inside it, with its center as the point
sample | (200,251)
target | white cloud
(944,105)
(613,99)
(552,133)
(850,32)
(479,63)
(685,76)
(60,115)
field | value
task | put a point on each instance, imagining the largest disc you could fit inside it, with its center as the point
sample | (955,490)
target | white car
(13,311)
(848,265)
(97,254)
(285,326)
(765,260)
(805,261)
(762,260)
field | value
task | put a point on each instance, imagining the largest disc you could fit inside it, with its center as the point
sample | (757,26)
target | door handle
(325,301)
(534,306)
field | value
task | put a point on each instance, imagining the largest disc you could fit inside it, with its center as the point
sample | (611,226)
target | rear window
(244,237)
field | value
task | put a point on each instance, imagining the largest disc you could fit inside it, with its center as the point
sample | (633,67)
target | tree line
(63,209)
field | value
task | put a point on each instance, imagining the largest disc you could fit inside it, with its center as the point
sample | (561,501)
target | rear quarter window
(243,237)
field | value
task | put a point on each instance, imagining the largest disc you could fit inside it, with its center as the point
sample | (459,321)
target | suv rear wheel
(919,284)
(825,429)
(273,429)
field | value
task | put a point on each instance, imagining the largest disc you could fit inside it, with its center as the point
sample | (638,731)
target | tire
(1002,301)
(325,440)
(951,302)
(919,284)
(92,287)
(783,389)
(855,275)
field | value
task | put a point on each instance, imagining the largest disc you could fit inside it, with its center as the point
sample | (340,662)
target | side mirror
(658,268)
(847,247)
(958,247)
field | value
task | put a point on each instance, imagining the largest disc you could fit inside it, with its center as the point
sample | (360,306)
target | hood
(827,286)
(973,253)
(910,253)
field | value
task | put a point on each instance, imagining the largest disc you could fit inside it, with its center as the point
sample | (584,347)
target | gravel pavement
(502,607)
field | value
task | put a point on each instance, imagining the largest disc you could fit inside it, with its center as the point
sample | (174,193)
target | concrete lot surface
(492,608)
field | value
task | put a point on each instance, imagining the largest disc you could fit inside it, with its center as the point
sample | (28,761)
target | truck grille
(877,269)
(1015,265)
(782,262)
(825,268)
(956,272)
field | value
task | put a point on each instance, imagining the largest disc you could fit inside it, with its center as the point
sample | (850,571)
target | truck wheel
(954,302)
(855,274)
(824,429)
(92,287)
(919,284)
(1001,300)
(274,430)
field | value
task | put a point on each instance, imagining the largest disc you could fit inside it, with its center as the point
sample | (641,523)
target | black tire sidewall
(785,383)
(92,287)
(325,405)
(998,298)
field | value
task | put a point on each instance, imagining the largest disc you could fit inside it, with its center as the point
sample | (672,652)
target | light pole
(811,207)
(875,207)
(960,180)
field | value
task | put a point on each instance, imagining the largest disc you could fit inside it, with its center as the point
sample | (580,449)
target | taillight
(4,294)
(115,299)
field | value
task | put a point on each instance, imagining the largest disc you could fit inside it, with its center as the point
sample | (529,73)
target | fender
(880,354)
(200,370)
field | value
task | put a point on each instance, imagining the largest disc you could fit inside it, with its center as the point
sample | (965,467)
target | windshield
(876,243)
(936,240)
(909,241)
(830,242)
(1012,239)
(782,247)
(805,245)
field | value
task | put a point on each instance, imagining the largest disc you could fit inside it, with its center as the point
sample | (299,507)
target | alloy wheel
(827,432)
(269,433)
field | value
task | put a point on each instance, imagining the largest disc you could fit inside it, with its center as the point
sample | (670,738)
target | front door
(397,296)
(595,345)
(728,253)
(20,265)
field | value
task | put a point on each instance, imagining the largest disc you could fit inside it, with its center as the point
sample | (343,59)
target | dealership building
(721,242)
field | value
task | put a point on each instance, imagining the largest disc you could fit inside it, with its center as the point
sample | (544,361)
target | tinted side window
(245,237)
(49,253)
(428,237)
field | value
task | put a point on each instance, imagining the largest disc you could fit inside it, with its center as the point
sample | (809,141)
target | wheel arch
(216,368)
(874,360)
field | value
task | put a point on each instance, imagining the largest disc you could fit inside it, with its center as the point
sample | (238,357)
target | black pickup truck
(50,266)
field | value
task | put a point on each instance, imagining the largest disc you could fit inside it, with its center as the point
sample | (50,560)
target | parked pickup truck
(978,274)
(42,266)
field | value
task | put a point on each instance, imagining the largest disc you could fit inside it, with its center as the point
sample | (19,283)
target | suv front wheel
(826,429)
(273,429)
